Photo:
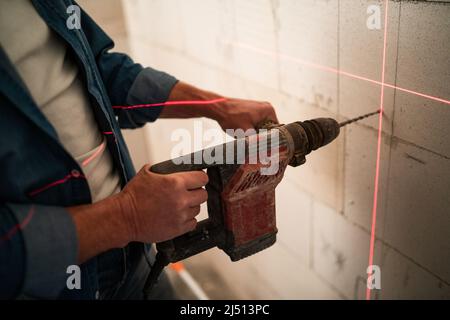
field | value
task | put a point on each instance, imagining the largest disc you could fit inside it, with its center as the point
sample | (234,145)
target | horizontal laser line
(171,103)
(334,70)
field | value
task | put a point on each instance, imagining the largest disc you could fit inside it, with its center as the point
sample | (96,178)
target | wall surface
(289,52)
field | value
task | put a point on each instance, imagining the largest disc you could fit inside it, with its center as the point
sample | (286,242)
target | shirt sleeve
(150,88)
(37,244)
(127,83)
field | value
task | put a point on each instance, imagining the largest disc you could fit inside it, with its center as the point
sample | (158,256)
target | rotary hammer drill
(241,196)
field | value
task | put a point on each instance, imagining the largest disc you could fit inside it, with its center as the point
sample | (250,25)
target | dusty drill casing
(241,200)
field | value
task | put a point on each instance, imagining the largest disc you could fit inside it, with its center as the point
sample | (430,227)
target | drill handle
(202,238)
(178,248)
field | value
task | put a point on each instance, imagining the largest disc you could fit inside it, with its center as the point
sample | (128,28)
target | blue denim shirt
(38,240)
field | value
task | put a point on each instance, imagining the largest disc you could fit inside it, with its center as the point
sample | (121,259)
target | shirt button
(97,295)
(75,173)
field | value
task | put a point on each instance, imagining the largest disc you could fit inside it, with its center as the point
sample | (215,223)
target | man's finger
(192,212)
(194,179)
(197,197)
(189,225)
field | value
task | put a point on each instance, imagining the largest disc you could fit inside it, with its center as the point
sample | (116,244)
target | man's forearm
(230,113)
(100,227)
(185,92)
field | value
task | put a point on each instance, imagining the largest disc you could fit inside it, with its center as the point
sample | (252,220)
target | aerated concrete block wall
(289,52)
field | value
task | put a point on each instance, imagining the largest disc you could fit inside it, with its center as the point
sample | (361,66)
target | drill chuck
(320,132)
(306,136)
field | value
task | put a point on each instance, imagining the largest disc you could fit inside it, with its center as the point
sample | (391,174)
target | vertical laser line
(377,167)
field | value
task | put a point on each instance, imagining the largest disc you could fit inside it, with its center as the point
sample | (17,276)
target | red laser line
(58,182)
(20,226)
(108,133)
(377,166)
(304,62)
(336,71)
(423,95)
(100,149)
(171,103)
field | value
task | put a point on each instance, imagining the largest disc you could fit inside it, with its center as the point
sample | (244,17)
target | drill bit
(342,124)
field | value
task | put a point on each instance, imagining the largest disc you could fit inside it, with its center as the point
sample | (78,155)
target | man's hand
(244,114)
(160,207)
(151,208)
(229,113)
